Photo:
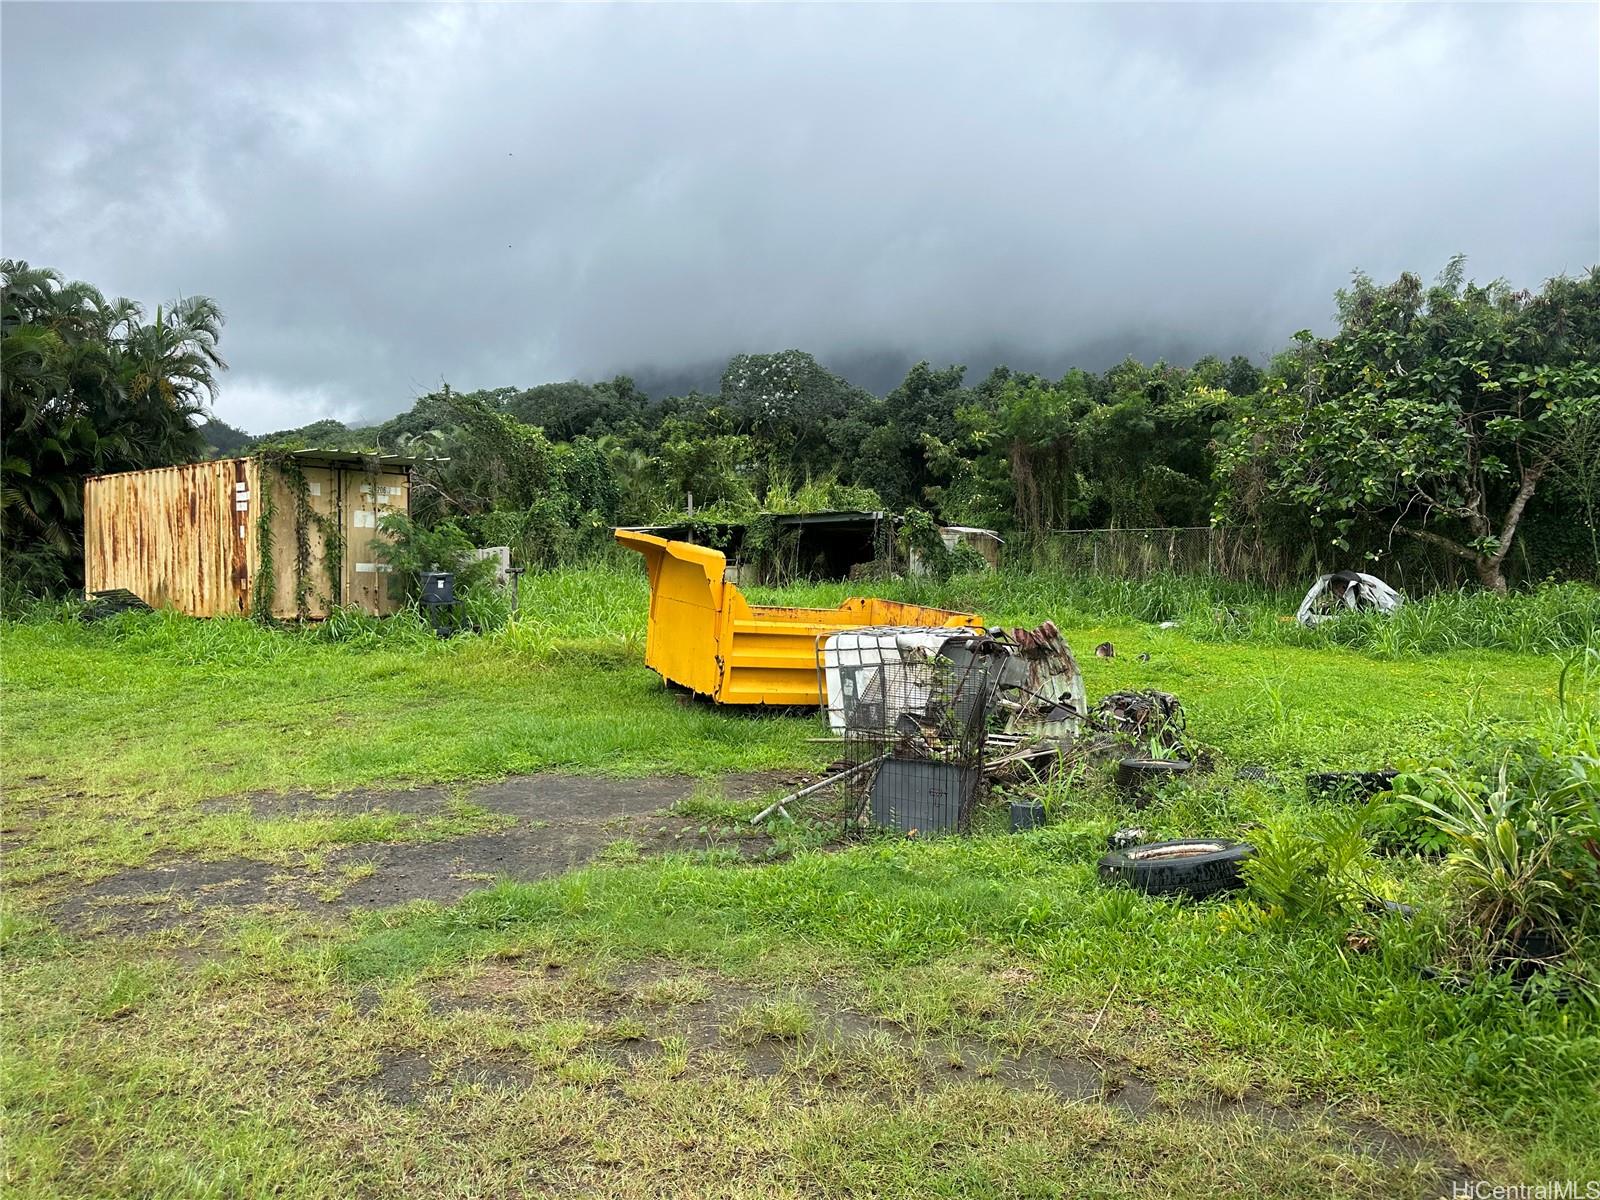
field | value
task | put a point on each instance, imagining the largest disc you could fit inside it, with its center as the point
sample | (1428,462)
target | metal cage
(913,707)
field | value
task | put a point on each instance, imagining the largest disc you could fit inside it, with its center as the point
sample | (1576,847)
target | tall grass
(603,605)
(1550,618)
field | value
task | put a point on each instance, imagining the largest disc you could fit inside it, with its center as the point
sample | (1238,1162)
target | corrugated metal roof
(973,529)
(331,457)
(357,458)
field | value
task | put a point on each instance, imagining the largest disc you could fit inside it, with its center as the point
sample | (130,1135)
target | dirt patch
(695,1014)
(558,822)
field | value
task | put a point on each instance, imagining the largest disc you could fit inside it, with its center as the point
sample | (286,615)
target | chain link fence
(1242,554)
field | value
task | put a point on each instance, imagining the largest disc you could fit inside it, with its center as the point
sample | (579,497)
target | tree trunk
(1489,573)
(1530,480)
(1489,566)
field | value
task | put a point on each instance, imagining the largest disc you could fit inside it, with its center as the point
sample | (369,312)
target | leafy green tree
(505,483)
(89,386)
(572,409)
(1438,411)
(908,456)
(711,464)
(326,434)
(1030,435)
(786,403)
(223,440)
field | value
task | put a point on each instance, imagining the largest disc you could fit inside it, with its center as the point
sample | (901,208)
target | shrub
(1314,873)
(1523,828)
(412,549)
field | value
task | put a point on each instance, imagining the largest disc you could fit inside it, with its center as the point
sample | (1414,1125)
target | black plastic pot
(1026,816)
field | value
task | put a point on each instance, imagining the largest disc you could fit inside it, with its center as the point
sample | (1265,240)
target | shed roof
(355,457)
(346,458)
(993,533)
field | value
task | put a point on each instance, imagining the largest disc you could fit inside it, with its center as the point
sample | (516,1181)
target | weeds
(1547,619)
(785,1019)
(1311,871)
(1009,941)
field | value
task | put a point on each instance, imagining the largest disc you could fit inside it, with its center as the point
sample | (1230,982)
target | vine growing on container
(305,519)
(266,575)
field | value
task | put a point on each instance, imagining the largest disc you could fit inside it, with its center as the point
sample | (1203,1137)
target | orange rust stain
(172,536)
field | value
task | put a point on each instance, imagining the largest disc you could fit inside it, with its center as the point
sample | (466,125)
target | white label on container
(314,487)
(392,491)
(373,568)
(241,533)
(366,489)
(241,487)
(365,519)
(241,506)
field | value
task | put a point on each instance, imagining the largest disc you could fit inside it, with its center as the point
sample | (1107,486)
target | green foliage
(1435,413)
(1548,619)
(919,535)
(1463,418)
(265,583)
(306,519)
(411,548)
(824,493)
(1522,824)
(503,482)
(1311,871)
(1396,823)
(88,386)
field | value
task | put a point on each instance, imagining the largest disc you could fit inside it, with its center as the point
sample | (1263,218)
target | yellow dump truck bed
(703,635)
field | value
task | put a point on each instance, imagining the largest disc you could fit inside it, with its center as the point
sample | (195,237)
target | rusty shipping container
(196,538)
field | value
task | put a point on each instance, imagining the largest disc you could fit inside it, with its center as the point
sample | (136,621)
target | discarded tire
(1189,867)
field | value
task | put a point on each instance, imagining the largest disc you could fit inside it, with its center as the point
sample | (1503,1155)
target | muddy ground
(843,1050)
(553,824)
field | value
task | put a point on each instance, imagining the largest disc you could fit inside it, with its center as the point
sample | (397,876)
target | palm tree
(87,387)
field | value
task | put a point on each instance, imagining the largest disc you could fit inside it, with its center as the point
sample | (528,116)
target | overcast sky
(384,197)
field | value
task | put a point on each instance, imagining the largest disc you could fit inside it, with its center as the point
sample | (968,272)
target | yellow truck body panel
(702,634)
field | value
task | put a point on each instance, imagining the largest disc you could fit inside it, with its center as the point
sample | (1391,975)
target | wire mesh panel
(913,707)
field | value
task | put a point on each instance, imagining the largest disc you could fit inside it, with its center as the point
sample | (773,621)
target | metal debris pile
(1339,592)
(926,715)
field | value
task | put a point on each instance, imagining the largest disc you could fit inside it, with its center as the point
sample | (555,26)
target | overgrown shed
(290,534)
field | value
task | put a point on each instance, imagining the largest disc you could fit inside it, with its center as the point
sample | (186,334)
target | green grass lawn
(553,1036)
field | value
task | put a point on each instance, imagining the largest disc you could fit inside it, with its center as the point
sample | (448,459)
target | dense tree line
(87,386)
(1461,417)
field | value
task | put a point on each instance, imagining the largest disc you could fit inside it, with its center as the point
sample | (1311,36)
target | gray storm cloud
(384,197)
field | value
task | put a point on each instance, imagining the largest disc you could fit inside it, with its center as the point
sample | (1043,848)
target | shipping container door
(292,581)
(323,592)
(368,498)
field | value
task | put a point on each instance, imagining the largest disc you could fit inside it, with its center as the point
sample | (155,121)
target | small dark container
(1137,778)
(1026,816)
(438,587)
(911,796)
